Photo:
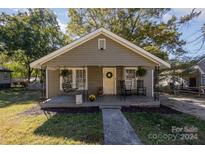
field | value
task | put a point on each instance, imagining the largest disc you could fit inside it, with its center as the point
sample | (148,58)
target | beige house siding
(4,81)
(53,83)
(95,79)
(88,54)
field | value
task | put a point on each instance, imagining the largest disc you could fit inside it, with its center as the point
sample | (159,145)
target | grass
(19,128)
(16,127)
(156,128)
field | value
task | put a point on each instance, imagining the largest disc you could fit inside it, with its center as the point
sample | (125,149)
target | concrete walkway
(117,130)
(193,106)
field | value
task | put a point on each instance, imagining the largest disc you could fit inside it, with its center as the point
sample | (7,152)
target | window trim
(74,76)
(129,68)
(102,39)
(125,74)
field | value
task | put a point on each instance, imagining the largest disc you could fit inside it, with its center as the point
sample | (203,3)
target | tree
(33,34)
(143,27)
(14,63)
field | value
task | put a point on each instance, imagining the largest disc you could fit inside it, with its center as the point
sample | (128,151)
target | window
(80,79)
(101,44)
(203,79)
(130,74)
(130,77)
(77,77)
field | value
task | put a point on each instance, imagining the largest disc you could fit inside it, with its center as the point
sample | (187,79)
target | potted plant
(92,98)
(64,73)
(66,84)
(141,71)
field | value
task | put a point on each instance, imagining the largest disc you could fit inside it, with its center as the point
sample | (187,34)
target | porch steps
(110,107)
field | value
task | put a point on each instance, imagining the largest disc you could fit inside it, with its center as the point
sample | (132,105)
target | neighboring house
(5,77)
(196,75)
(98,59)
(166,81)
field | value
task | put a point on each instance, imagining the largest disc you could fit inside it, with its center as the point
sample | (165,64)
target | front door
(109,80)
(192,82)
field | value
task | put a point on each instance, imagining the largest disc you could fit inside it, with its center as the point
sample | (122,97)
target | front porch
(69,101)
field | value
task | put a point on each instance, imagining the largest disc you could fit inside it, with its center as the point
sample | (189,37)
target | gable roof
(201,65)
(116,38)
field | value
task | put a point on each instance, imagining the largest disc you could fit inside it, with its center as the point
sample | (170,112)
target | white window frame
(101,39)
(74,77)
(125,74)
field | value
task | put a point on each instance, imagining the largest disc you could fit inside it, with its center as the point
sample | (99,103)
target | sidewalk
(117,130)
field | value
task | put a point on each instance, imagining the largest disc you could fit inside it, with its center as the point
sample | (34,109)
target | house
(196,75)
(5,77)
(99,60)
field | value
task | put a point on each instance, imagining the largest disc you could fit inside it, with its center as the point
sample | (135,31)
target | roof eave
(160,62)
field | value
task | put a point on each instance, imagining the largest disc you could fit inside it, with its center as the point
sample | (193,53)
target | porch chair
(141,90)
(124,90)
(67,87)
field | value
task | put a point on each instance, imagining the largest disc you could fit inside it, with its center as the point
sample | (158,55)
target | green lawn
(19,128)
(156,128)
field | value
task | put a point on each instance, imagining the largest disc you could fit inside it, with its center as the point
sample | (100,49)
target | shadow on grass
(84,128)
(17,96)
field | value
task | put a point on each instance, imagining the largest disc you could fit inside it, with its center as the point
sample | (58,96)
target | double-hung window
(101,44)
(77,77)
(130,77)
(80,79)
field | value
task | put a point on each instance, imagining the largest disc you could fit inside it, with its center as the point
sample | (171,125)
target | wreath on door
(109,75)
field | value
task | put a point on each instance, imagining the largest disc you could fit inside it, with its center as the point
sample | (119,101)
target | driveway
(193,106)
(117,130)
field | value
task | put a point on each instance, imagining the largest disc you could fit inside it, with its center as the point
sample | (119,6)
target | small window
(101,44)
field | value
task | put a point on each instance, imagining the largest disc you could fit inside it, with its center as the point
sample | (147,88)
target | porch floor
(66,101)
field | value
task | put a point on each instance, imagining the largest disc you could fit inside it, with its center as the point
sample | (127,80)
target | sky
(189,31)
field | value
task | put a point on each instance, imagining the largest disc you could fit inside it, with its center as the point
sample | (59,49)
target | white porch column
(152,83)
(46,82)
(148,82)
